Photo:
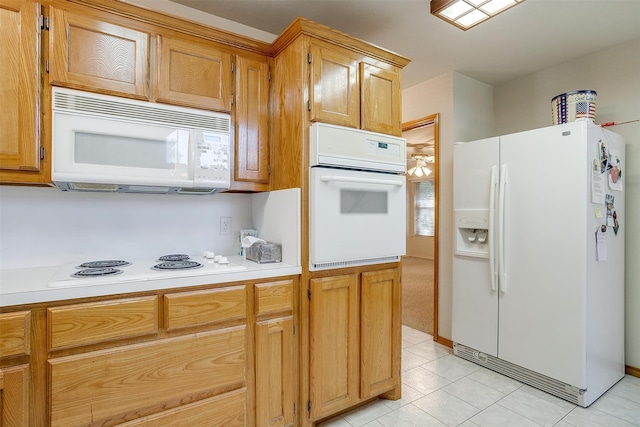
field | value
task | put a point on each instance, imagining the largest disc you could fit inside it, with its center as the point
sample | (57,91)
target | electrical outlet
(225,225)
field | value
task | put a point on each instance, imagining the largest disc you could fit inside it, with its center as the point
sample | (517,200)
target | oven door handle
(337,178)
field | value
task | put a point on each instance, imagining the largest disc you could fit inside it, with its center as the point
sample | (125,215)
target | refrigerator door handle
(491,234)
(501,206)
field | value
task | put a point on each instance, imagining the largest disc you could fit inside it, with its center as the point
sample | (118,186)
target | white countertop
(32,285)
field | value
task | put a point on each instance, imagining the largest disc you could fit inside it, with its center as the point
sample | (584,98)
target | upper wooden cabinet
(251,165)
(380,98)
(334,94)
(20,91)
(193,73)
(347,90)
(90,53)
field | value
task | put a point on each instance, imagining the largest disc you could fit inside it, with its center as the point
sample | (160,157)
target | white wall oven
(357,199)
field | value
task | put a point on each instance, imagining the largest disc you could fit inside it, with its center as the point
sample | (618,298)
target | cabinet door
(334,339)
(381,100)
(108,387)
(19,85)
(252,124)
(335,94)
(14,396)
(88,53)
(193,74)
(380,332)
(275,386)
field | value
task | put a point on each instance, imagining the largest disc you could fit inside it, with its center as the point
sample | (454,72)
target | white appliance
(357,197)
(105,143)
(538,268)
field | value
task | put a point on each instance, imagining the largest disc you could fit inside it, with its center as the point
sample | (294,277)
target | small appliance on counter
(264,252)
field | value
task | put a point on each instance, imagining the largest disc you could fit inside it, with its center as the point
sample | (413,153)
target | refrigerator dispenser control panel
(472,232)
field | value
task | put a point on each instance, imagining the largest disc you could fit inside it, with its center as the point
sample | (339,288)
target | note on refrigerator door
(597,184)
(601,243)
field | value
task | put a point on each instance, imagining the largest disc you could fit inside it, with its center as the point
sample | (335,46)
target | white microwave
(106,143)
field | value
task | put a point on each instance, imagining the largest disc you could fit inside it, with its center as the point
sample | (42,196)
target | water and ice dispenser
(472,232)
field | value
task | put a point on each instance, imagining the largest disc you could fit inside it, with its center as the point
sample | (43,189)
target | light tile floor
(440,389)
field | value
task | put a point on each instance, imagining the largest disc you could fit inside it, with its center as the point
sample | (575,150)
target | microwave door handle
(336,178)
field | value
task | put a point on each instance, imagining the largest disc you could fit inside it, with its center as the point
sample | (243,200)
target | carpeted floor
(417,293)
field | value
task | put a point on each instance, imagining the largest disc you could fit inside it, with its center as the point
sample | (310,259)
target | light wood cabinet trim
(274,297)
(111,386)
(93,54)
(381,100)
(89,323)
(275,388)
(20,86)
(334,87)
(334,344)
(15,333)
(379,368)
(226,410)
(185,309)
(14,396)
(173,23)
(252,120)
(193,73)
(322,32)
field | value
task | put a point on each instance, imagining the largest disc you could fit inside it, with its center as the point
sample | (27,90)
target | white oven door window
(356,217)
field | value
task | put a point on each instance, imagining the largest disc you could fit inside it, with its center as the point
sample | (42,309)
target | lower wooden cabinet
(211,356)
(380,337)
(14,396)
(334,344)
(114,385)
(354,339)
(275,354)
(15,338)
(275,385)
(226,410)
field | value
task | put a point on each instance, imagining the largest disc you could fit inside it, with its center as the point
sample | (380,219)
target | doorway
(419,266)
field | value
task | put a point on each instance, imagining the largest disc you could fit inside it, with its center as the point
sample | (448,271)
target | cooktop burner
(104,263)
(177,265)
(174,257)
(97,272)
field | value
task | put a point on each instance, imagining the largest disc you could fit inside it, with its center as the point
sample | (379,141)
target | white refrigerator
(538,269)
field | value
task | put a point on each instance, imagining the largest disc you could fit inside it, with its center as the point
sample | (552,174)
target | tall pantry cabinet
(350,339)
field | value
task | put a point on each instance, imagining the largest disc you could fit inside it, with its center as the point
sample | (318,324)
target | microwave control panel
(212,159)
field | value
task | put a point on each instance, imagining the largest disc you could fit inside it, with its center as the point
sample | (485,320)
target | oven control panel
(346,147)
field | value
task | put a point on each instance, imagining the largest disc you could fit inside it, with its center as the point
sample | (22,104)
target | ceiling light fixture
(420,169)
(465,14)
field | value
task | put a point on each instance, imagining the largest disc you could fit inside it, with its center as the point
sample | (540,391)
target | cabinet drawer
(14,333)
(204,307)
(91,323)
(226,410)
(274,297)
(111,386)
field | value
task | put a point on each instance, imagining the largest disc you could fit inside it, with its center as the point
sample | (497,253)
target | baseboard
(630,370)
(443,341)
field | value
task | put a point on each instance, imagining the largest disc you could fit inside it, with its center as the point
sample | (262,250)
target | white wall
(614,73)
(45,226)
(176,9)
(464,116)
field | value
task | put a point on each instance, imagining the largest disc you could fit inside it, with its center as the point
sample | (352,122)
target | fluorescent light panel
(465,14)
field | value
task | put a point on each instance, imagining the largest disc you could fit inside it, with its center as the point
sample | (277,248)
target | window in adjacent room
(424,207)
